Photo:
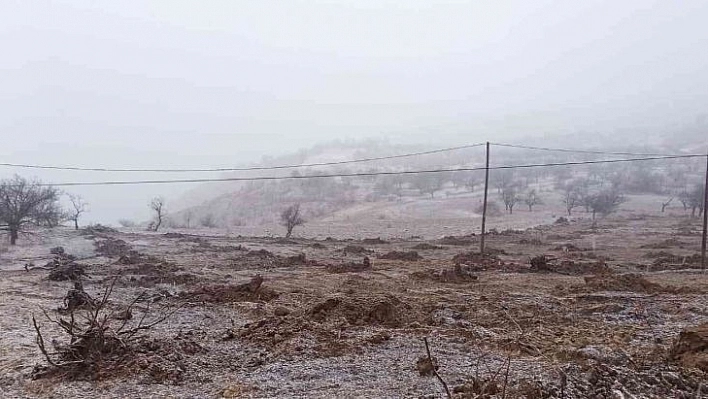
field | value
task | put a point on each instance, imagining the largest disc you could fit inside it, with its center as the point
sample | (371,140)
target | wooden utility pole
(484,205)
(705,219)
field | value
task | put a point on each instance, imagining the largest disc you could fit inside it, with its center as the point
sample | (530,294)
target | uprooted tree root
(101,343)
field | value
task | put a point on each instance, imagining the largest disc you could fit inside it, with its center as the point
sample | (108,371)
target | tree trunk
(13,235)
(159,222)
(289,232)
(530,210)
(76,224)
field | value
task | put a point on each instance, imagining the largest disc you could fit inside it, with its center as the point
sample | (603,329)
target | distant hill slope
(436,195)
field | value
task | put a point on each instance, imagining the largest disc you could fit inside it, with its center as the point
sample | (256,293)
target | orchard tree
(532,199)
(78,206)
(290,218)
(510,197)
(158,206)
(696,199)
(604,202)
(428,183)
(25,202)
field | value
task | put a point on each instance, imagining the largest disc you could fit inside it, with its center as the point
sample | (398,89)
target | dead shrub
(100,345)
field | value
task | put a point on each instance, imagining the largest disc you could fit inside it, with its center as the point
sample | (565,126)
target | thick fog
(183,84)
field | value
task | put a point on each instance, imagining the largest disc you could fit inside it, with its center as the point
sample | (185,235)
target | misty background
(177,84)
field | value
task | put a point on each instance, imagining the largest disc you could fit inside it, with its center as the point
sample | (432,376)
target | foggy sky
(219,83)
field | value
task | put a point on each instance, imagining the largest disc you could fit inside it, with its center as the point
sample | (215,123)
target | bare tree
(78,206)
(695,200)
(605,202)
(290,218)
(573,195)
(510,197)
(666,203)
(532,199)
(207,221)
(428,183)
(158,206)
(188,215)
(23,202)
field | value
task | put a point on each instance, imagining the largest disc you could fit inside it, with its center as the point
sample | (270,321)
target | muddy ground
(610,309)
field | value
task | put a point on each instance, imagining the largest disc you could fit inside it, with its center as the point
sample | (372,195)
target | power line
(363,174)
(254,168)
(576,151)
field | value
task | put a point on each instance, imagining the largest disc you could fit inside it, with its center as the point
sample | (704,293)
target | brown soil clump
(457,274)
(477,260)
(691,348)
(401,255)
(452,240)
(425,247)
(350,267)
(666,244)
(374,241)
(545,263)
(374,309)
(112,247)
(70,272)
(621,282)
(250,291)
(356,250)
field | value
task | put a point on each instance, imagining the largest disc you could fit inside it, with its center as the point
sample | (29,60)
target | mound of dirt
(159,361)
(425,247)
(295,260)
(350,267)
(374,309)
(261,253)
(374,241)
(401,255)
(458,241)
(57,251)
(545,263)
(317,245)
(98,230)
(691,347)
(219,293)
(356,250)
(457,274)
(112,247)
(668,261)
(67,272)
(477,260)
(530,241)
(622,282)
(568,247)
(666,244)
(562,221)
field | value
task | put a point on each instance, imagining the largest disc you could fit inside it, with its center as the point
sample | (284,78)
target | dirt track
(599,315)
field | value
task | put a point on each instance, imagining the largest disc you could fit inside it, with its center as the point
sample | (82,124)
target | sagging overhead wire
(362,174)
(243,169)
(576,151)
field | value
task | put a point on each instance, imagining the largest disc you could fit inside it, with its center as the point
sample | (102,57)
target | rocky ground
(613,309)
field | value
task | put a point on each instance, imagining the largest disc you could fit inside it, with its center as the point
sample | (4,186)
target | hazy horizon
(167,84)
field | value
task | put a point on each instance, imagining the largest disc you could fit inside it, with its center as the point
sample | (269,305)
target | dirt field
(576,310)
